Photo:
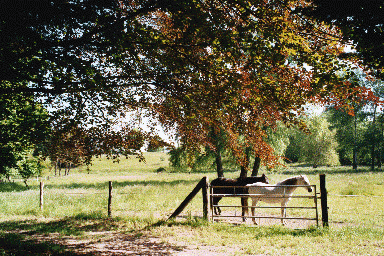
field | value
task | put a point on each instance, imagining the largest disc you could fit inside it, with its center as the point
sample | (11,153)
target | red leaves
(251,77)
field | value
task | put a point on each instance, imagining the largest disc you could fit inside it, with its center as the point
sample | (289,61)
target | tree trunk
(256,166)
(381,144)
(243,172)
(244,200)
(355,146)
(373,139)
(373,156)
(219,164)
(244,168)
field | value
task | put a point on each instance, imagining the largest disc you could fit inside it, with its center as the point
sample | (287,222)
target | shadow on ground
(67,237)
(305,169)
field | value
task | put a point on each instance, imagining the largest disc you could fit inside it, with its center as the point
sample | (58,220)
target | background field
(74,219)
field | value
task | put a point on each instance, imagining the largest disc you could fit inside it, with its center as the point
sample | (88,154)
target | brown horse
(216,183)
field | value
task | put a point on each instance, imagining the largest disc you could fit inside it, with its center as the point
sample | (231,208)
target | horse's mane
(288,182)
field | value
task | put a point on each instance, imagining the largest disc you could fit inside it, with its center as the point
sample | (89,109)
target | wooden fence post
(324,203)
(110,199)
(41,195)
(205,191)
(188,198)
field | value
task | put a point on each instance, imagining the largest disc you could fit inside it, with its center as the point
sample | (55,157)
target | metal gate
(313,196)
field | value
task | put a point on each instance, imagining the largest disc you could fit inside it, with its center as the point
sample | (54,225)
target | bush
(318,147)
(29,168)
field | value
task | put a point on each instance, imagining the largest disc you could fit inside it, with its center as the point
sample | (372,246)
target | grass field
(74,218)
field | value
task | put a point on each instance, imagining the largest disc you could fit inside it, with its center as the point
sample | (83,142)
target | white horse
(279,193)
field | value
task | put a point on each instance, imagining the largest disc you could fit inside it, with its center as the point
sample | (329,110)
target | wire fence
(108,195)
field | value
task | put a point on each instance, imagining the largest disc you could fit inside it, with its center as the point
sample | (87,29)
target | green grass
(76,206)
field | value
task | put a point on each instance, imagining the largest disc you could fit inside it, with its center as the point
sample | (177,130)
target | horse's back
(259,188)
(222,181)
(253,179)
(239,182)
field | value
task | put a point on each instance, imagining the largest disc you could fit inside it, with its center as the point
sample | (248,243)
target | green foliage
(24,124)
(318,147)
(361,133)
(177,156)
(7,159)
(29,167)
(279,140)
(349,132)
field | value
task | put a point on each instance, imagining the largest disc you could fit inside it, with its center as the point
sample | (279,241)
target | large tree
(362,24)
(235,65)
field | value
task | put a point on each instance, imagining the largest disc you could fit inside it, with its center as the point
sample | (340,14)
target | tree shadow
(12,187)
(80,235)
(70,226)
(18,244)
(328,170)
(279,231)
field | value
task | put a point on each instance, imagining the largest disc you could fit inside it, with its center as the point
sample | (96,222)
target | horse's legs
(283,212)
(215,201)
(212,205)
(254,202)
(244,208)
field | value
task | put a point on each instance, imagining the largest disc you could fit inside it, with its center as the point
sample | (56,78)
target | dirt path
(113,244)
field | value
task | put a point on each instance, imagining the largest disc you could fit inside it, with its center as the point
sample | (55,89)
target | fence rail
(270,217)
(261,195)
(355,195)
(268,207)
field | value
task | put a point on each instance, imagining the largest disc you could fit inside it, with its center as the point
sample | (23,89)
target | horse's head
(264,179)
(303,180)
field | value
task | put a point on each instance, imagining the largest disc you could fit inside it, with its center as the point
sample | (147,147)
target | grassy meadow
(75,209)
